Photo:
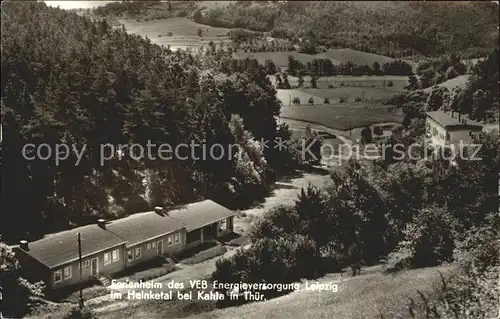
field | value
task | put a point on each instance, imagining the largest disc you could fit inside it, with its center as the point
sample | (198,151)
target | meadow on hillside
(357,57)
(343,117)
(177,32)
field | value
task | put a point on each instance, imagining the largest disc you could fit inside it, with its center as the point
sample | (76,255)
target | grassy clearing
(184,32)
(152,273)
(364,296)
(146,271)
(371,88)
(286,96)
(350,93)
(88,293)
(358,57)
(460,82)
(342,117)
(205,255)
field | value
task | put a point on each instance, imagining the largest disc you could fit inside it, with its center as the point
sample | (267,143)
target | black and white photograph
(249,159)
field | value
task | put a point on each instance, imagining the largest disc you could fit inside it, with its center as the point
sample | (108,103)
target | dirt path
(183,275)
(285,192)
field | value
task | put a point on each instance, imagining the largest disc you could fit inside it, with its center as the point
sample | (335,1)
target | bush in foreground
(428,241)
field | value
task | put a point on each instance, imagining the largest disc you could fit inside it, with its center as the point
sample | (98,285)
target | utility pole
(80,300)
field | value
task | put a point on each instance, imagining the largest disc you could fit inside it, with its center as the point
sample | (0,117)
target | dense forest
(67,80)
(428,28)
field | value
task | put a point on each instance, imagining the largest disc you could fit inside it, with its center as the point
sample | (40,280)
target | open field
(348,93)
(364,296)
(371,88)
(358,57)
(184,32)
(342,117)
(460,82)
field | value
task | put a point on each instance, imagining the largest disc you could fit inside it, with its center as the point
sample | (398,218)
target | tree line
(325,67)
(401,28)
(68,79)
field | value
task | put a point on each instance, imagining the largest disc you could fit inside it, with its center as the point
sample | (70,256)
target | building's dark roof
(446,119)
(197,215)
(60,248)
(141,227)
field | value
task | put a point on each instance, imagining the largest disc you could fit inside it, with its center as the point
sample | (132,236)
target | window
(67,272)
(148,246)
(177,237)
(153,244)
(434,131)
(170,240)
(223,224)
(115,255)
(57,276)
(107,259)
(130,255)
(138,252)
(86,263)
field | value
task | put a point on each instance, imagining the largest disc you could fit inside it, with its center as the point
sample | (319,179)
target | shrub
(330,86)
(366,135)
(169,34)
(472,291)
(152,273)
(377,131)
(77,313)
(342,100)
(296,101)
(451,73)
(390,83)
(358,99)
(311,101)
(205,255)
(326,101)
(428,241)
(277,260)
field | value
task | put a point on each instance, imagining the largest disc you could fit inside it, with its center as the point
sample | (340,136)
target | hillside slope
(389,26)
(364,296)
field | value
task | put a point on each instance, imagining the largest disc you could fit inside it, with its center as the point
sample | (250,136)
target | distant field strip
(342,117)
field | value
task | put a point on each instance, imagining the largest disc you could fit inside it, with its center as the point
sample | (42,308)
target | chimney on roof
(159,210)
(101,223)
(23,244)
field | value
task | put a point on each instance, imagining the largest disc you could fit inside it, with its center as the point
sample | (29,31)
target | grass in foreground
(205,255)
(364,296)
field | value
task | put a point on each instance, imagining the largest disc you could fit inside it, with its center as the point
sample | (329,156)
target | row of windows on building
(65,273)
(137,252)
(435,132)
